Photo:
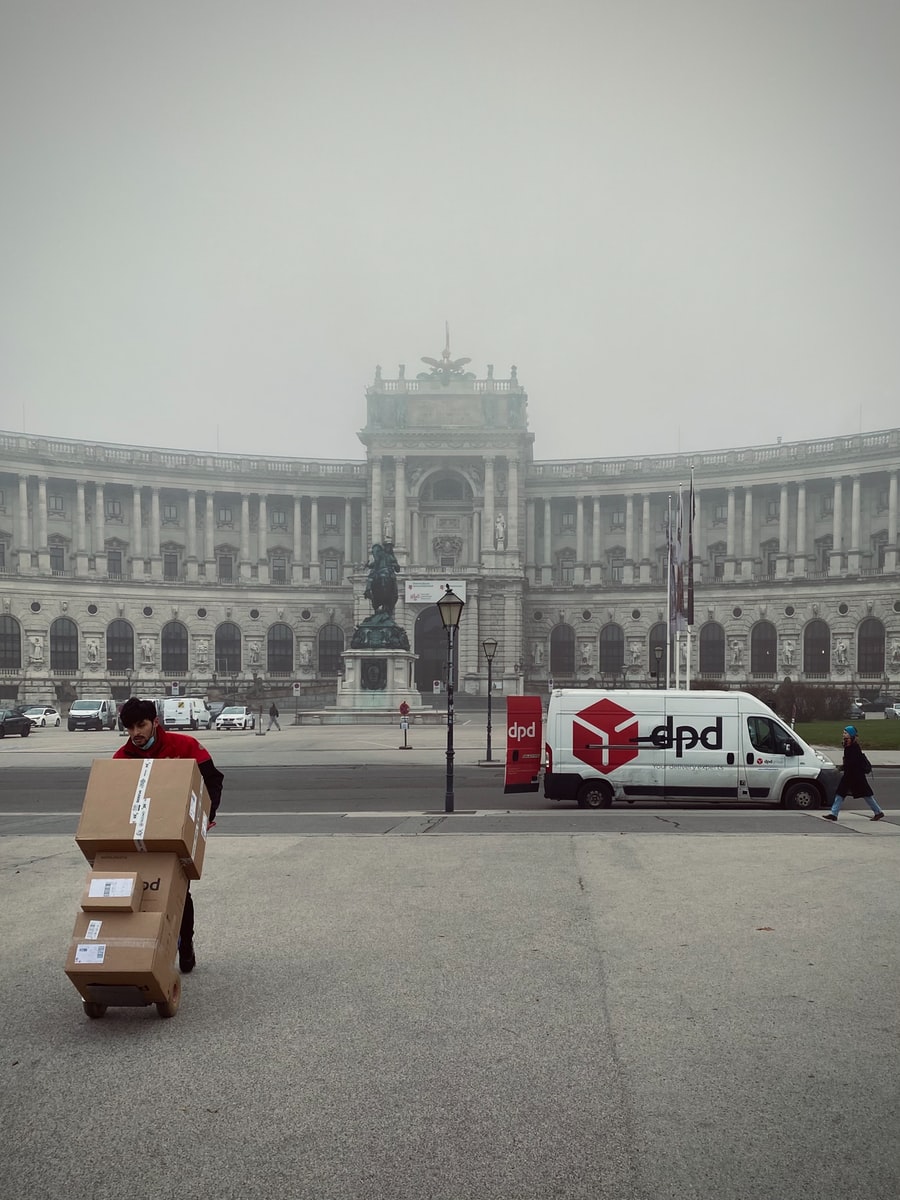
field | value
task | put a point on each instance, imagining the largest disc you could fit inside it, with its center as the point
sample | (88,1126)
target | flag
(677,608)
(692,512)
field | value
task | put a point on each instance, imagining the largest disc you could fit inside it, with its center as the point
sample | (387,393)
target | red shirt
(180,745)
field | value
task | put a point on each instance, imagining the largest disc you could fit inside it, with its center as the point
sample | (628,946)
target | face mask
(149,742)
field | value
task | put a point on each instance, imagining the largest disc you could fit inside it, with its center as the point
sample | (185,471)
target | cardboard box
(148,806)
(112,891)
(135,950)
(165,884)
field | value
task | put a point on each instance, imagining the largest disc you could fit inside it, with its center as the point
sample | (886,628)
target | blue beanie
(851,729)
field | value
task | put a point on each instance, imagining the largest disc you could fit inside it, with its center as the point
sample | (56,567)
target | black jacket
(854,781)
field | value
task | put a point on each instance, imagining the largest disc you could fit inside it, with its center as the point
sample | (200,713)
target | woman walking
(855,779)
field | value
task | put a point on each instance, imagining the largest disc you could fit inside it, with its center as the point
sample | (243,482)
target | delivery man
(148,739)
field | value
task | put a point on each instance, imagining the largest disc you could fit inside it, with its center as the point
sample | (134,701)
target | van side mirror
(789,749)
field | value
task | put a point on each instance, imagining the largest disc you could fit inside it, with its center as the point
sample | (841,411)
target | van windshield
(85,705)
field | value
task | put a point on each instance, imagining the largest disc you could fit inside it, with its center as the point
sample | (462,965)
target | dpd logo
(518,733)
(604,735)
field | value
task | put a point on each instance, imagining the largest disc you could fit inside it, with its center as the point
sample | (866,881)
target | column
(348,544)
(315,570)
(547,565)
(137,541)
(595,541)
(529,538)
(209,540)
(297,551)
(512,517)
(99,529)
(415,536)
(377,499)
(487,520)
(476,537)
(262,541)
(155,559)
(579,539)
(401,534)
(629,539)
(853,552)
(748,547)
(645,539)
(81,556)
(729,537)
(890,554)
(800,567)
(191,565)
(24,550)
(781,562)
(837,524)
(42,547)
(245,536)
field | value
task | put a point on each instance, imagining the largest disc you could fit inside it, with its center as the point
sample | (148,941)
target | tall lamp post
(657,654)
(450,607)
(489,646)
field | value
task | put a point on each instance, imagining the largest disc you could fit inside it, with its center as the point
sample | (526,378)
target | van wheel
(801,795)
(594,795)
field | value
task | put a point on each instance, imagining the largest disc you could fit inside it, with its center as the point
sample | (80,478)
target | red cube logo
(604,735)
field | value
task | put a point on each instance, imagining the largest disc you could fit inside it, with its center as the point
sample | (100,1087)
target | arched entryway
(430,642)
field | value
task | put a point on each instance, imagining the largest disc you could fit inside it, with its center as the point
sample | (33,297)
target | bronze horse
(381,588)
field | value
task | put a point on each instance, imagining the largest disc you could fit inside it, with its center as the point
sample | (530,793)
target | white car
(236,716)
(43,716)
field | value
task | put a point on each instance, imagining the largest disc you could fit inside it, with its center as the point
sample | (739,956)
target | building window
(64,645)
(55,504)
(113,509)
(881,504)
(225,568)
(2,556)
(827,506)
(278,518)
(567,519)
(280,650)
(57,560)
(612,649)
(170,566)
(773,508)
(763,647)
(331,649)
(823,553)
(657,638)
(174,645)
(720,514)
(870,648)
(224,517)
(331,522)
(712,649)
(330,570)
(617,519)
(279,569)
(562,651)
(567,568)
(10,643)
(817,650)
(769,555)
(717,557)
(170,514)
(447,560)
(120,646)
(114,564)
(228,649)
(2,498)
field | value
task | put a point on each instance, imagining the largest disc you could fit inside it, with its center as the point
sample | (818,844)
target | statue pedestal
(378,680)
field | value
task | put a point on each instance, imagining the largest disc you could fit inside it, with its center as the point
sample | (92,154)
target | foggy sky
(678,219)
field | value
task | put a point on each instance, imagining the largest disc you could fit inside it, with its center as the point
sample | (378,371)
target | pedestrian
(148,739)
(855,779)
(273,717)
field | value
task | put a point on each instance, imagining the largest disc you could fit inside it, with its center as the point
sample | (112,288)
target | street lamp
(128,679)
(450,607)
(489,646)
(657,654)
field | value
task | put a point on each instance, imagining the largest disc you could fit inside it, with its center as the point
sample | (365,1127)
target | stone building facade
(127,568)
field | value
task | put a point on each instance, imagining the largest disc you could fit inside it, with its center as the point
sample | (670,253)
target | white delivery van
(92,714)
(188,712)
(672,745)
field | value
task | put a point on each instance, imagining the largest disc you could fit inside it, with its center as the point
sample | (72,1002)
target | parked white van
(672,745)
(92,714)
(189,712)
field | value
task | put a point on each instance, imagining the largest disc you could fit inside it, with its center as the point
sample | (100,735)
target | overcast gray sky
(678,218)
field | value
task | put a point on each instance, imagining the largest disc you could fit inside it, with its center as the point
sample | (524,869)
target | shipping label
(90,952)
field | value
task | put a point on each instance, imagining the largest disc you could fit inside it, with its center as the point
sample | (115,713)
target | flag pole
(690,578)
(668,590)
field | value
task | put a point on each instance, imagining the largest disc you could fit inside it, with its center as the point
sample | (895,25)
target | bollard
(404,725)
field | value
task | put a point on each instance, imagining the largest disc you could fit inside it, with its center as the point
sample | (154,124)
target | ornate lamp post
(128,679)
(450,607)
(657,654)
(489,646)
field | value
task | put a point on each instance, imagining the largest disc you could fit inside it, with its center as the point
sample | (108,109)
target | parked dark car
(14,723)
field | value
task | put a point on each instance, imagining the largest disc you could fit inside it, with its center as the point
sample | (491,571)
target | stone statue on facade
(380,631)
(446,368)
(92,651)
(147,651)
(389,527)
(500,532)
(36,654)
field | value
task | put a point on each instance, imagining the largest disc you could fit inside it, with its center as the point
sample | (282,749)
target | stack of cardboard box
(143,829)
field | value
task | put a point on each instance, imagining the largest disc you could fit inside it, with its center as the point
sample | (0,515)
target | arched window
(870,648)
(228,649)
(10,643)
(657,638)
(119,647)
(280,650)
(763,649)
(612,649)
(712,649)
(817,650)
(331,649)
(174,641)
(64,646)
(562,651)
